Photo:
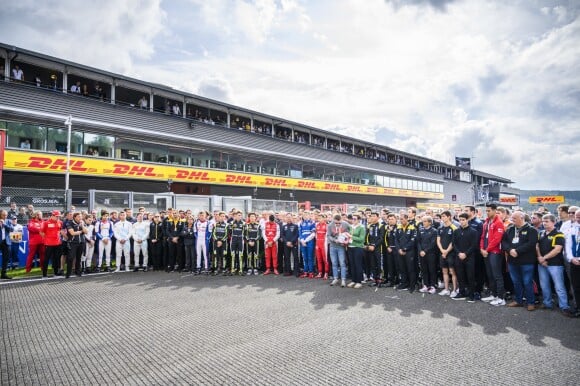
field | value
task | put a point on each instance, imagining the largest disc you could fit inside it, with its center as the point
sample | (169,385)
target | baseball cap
(56,213)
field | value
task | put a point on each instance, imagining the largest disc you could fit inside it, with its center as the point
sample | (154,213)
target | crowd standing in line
(449,254)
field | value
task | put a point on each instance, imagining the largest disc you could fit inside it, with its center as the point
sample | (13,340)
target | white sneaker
(249,272)
(424,289)
(498,302)
(432,290)
(488,298)
(118,270)
(127,269)
(351,284)
(357,286)
(453,293)
(255,271)
(444,292)
(364,277)
(334,282)
(440,284)
(343,283)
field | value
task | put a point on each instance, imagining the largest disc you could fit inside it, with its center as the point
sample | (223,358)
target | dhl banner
(509,199)
(546,199)
(51,163)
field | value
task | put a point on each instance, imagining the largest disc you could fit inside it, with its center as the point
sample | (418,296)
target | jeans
(338,256)
(556,274)
(494,274)
(523,279)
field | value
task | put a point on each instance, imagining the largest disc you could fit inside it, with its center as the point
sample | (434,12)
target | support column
(273,134)
(65,80)
(6,68)
(113,92)
(151,96)
(252,123)
(184,112)
(228,118)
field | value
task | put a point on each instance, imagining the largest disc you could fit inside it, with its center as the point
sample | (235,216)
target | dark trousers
(479,272)
(288,253)
(156,254)
(389,265)
(5,254)
(494,270)
(219,256)
(190,261)
(52,253)
(356,262)
(74,258)
(575,282)
(465,270)
(172,249)
(374,257)
(429,269)
(408,264)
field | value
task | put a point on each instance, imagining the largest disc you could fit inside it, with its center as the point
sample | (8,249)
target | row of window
(43,138)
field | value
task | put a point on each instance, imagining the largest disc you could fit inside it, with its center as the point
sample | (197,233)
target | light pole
(68,123)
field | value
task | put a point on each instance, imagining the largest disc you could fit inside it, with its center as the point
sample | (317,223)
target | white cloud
(444,77)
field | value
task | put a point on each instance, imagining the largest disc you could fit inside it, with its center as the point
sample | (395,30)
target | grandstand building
(132,135)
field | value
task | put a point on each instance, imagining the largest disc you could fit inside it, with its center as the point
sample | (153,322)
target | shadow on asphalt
(494,321)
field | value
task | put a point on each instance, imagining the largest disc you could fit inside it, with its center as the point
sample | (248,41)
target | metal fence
(24,201)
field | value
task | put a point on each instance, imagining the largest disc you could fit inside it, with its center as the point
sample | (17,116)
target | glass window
(252,165)
(235,162)
(415,185)
(200,158)
(295,170)
(282,168)
(154,153)
(126,149)
(58,138)
(380,180)
(179,156)
(24,136)
(98,145)
(399,183)
(313,172)
(268,167)
(218,160)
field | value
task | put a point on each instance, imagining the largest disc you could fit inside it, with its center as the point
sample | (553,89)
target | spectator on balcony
(75,88)
(85,90)
(17,74)
(143,103)
(38,81)
(25,144)
(176,109)
(99,92)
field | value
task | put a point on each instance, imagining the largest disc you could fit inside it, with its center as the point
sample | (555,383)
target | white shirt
(17,74)
(122,230)
(140,231)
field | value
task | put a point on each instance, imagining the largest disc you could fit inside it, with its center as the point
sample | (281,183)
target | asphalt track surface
(170,328)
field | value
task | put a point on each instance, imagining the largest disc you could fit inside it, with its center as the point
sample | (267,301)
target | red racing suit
(35,243)
(320,248)
(271,234)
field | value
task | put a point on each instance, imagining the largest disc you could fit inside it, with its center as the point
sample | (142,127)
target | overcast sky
(496,80)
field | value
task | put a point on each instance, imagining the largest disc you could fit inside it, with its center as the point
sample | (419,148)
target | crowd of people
(449,254)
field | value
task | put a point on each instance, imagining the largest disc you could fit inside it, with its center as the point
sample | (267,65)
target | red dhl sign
(79,165)
(508,200)
(546,199)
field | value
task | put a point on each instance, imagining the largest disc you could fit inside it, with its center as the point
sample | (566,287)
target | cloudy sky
(496,80)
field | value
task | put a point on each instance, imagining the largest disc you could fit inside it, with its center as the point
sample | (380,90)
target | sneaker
(453,293)
(311,275)
(445,293)
(488,298)
(267,272)
(424,289)
(471,299)
(440,284)
(256,272)
(343,283)
(567,313)
(303,275)
(476,296)
(118,270)
(351,284)
(334,282)
(357,286)
(402,287)
(364,278)
(497,302)
(531,307)
(249,273)
(432,290)
(459,296)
